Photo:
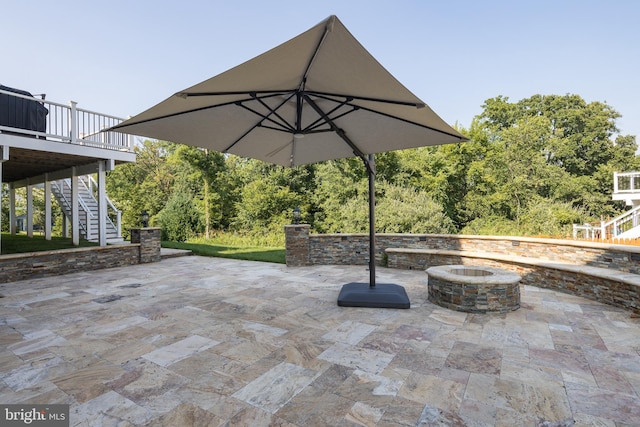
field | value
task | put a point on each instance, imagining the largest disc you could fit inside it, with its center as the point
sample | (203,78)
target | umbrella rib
(270,93)
(356,151)
(275,113)
(322,121)
(279,129)
(413,123)
(319,122)
(371,110)
(237,92)
(327,29)
(303,81)
(264,117)
(283,124)
(327,95)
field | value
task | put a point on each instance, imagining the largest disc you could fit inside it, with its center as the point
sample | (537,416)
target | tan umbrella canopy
(319,96)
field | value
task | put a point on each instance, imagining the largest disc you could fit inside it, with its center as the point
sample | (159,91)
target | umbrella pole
(385,295)
(371,169)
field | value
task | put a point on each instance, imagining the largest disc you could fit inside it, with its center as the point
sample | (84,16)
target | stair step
(88,219)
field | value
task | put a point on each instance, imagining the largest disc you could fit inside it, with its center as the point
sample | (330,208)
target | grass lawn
(239,249)
(20,243)
(249,253)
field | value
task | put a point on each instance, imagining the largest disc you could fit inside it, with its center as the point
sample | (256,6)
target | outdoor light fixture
(144,217)
(296,215)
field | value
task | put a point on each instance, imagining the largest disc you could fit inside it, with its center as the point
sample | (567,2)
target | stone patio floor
(209,342)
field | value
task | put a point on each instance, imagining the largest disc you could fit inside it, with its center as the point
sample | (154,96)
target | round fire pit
(474,289)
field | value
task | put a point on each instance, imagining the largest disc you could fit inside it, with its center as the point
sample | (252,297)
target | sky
(122,57)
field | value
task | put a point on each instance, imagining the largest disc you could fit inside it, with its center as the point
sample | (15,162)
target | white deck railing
(611,229)
(626,186)
(68,123)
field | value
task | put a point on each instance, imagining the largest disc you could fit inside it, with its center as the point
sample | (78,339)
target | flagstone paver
(207,341)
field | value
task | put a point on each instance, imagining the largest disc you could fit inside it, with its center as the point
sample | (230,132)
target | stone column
(297,244)
(149,240)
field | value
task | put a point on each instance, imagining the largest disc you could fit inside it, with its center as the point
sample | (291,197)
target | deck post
(65,226)
(73,122)
(75,211)
(29,210)
(13,221)
(4,156)
(102,203)
(47,207)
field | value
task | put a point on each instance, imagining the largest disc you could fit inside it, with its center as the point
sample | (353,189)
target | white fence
(59,122)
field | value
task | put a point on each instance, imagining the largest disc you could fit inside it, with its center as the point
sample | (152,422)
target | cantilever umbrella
(319,96)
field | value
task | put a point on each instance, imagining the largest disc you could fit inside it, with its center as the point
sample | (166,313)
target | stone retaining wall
(30,265)
(353,249)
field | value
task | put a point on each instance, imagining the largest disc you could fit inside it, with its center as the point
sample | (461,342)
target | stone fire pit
(474,289)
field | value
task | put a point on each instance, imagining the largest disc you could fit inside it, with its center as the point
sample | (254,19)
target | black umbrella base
(382,295)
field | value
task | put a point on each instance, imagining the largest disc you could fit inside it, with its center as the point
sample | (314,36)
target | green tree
(180,218)
(339,183)
(205,172)
(442,171)
(558,149)
(407,210)
(143,185)
(531,167)
(267,194)
(583,131)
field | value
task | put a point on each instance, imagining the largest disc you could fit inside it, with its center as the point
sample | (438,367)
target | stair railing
(611,229)
(86,226)
(618,225)
(110,206)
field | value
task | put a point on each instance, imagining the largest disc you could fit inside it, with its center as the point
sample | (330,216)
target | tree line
(532,167)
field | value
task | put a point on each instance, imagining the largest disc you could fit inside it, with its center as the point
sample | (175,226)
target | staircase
(88,209)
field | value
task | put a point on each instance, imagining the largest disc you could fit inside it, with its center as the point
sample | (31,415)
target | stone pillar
(297,244)
(149,239)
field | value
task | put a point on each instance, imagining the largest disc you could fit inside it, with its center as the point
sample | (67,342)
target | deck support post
(75,211)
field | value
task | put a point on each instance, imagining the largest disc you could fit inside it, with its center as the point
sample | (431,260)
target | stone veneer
(353,249)
(612,290)
(150,243)
(584,256)
(30,265)
(474,289)
(297,244)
